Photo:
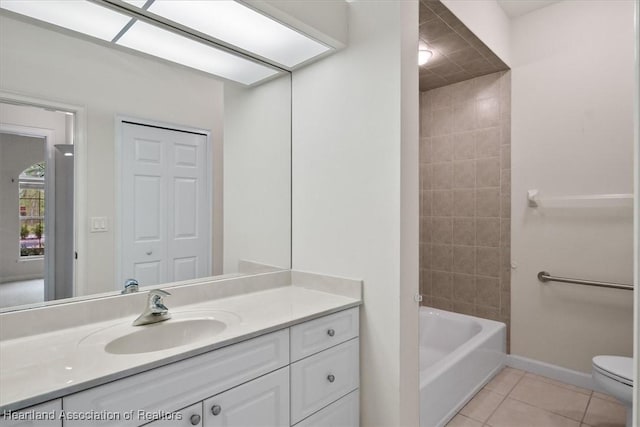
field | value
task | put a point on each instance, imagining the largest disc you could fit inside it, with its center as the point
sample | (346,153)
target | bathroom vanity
(300,367)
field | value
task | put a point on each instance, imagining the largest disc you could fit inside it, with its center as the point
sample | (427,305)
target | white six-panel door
(164,205)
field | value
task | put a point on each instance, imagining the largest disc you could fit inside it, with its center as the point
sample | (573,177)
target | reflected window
(32,208)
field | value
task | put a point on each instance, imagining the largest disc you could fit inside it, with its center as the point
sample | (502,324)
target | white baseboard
(569,376)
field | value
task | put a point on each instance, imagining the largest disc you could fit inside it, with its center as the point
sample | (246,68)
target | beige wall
(465,191)
(572,134)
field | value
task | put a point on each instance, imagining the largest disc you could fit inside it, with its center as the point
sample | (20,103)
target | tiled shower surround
(465,197)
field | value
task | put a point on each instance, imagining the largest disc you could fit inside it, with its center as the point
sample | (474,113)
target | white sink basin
(184,328)
(164,335)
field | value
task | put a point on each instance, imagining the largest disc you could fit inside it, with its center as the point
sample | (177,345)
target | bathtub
(459,354)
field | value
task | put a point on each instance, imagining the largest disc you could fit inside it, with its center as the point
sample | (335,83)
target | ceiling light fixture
(240,26)
(81,16)
(424,56)
(164,44)
(218,37)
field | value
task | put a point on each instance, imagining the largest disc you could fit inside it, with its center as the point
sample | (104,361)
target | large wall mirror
(117,165)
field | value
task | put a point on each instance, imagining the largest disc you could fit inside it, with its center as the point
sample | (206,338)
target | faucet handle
(160,292)
(130,285)
(155,300)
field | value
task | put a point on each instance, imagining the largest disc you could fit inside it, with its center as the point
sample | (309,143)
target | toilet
(614,375)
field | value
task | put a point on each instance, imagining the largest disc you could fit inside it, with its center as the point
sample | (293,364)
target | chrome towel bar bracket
(545,276)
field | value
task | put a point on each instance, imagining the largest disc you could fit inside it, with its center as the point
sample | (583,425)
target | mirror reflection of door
(36,205)
(164,197)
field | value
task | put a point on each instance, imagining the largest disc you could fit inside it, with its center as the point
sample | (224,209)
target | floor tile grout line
(552,412)
(486,422)
(546,410)
(586,409)
(560,384)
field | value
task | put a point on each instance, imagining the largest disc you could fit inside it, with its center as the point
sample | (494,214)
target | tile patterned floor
(517,398)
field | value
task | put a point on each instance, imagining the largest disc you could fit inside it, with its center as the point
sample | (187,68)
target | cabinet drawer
(343,413)
(261,402)
(323,378)
(51,412)
(319,334)
(180,384)
(187,417)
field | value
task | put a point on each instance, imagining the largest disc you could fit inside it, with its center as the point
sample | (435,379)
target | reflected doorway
(36,205)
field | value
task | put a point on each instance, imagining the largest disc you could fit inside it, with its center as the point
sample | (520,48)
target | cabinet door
(183,383)
(343,413)
(263,402)
(187,417)
(44,415)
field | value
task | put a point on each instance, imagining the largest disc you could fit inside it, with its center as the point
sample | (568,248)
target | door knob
(195,419)
(149,252)
(216,409)
(331,378)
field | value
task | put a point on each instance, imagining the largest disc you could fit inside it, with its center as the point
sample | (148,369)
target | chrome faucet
(130,286)
(155,311)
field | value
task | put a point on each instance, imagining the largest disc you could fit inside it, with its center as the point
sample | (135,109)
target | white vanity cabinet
(263,402)
(44,415)
(187,417)
(169,388)
(325,369)
(306,375)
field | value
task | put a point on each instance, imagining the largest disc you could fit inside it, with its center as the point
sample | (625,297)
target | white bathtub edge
(569,376)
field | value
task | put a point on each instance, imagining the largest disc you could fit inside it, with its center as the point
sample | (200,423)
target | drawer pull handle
(331,332)
(216,409)
(195,419)
(331,378)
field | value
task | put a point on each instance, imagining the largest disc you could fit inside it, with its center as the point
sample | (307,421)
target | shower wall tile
(464,146)
(464,231)
(465,197)
(442,284)
(425,150)
(488,232)
(464,174)
(442,203)
(488,202)
(442,176)
(464,203)
(464,308)
(505,233)
(441,122)
(464,288)
(487,291)
(487,143)
(464,259)
(488,261)
(441,149)
(441,257)
(505,160)
(442,230)
(488,172)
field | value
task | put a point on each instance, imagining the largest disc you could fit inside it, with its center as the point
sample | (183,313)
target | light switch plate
(99,224)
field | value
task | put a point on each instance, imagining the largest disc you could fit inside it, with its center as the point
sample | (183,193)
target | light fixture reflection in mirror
(174,31)
(250,128)
(81,16)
